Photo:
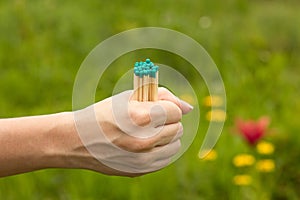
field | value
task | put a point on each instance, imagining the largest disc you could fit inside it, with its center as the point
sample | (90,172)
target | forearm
(32,143)
(48,141)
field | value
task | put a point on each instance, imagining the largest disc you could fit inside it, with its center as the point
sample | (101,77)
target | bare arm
(32,143)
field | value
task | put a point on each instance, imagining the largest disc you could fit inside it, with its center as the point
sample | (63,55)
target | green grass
(255,44)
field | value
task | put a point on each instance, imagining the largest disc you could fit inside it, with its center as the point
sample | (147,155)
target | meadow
(256,46)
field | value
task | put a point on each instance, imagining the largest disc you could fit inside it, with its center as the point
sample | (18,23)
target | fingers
(164,94)
(164,154)
(154,113)
(136,137)
(155,159)
(168,134)
(165,112)
(168,109)
(167,151)
(165,135)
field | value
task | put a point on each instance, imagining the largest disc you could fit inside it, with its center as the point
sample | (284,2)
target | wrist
(60,137)
(66,149)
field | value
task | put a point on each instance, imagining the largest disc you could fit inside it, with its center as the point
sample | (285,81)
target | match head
(146,68)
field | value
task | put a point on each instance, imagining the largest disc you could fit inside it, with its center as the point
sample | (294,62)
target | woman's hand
(130,137)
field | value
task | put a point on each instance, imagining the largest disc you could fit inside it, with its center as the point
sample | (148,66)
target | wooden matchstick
(135,87)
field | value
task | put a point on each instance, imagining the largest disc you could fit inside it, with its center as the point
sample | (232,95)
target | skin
(51,141)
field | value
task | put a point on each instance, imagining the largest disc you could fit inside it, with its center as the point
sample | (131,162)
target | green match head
(152,73)
(145,68)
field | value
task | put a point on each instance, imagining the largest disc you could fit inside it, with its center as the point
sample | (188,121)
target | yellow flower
(265,148)
(243,160)
(216,115)
(267,165)
(209,155)
(243,179)
(188,98)
(213,101)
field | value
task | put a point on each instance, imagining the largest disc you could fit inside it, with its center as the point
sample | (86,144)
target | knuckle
(174,148)
(176,111)
(140,117)
(141,146)
(177,146)
(179,113)
(180,127)
(163,90)
(143,162)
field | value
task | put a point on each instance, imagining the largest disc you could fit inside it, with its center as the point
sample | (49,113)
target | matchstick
(144,86)
(135,87)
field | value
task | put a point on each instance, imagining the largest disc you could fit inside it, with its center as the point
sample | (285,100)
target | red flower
(251,130)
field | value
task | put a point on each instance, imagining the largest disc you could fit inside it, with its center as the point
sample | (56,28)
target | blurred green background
(255,44)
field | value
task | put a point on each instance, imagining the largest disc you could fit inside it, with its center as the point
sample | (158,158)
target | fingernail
(186,107)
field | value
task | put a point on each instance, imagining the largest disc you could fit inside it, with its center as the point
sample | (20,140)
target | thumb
(165,94)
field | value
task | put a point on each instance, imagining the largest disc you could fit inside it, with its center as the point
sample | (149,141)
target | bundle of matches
(145,81)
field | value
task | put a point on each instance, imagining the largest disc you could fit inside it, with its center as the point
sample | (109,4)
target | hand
(129,138)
